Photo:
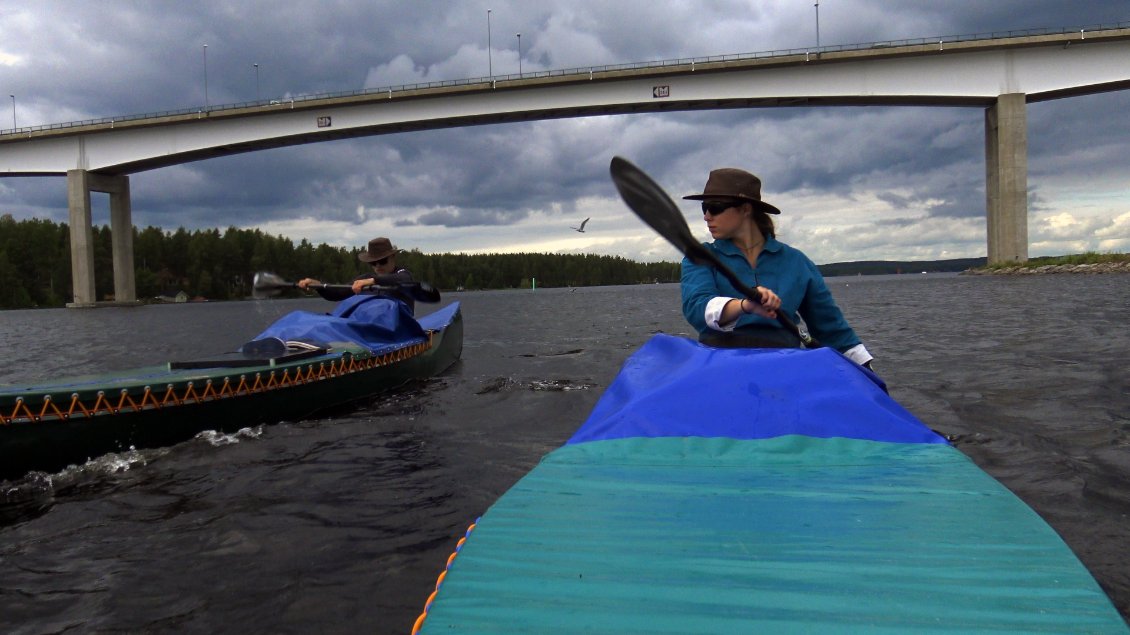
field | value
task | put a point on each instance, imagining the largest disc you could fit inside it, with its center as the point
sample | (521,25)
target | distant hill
(875,267)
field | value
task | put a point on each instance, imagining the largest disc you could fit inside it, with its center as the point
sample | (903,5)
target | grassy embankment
(1088,258)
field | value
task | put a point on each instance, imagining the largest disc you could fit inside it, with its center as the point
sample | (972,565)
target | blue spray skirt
(746,491)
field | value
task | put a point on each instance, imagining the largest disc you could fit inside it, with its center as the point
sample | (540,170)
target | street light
(256,81)
(13,112)
(205,77)
(490,67)
(519,55)
(817,23)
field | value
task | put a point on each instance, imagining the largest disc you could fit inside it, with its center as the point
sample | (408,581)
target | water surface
(341,524)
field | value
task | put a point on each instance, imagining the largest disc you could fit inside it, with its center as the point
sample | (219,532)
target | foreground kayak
(757,490)
(47,427)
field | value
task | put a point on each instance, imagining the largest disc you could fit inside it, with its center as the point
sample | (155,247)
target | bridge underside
(1006,171)
(168,160)
(1006,168)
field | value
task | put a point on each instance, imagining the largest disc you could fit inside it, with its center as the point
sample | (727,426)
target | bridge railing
(290,100)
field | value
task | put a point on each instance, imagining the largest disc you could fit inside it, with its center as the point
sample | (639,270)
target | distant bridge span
(1000,74)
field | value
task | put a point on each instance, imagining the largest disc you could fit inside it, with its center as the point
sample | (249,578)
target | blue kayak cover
(673,388)
(376,323)
(760,491)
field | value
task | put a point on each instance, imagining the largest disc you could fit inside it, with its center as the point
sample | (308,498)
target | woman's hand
(770,302)
(359,285)
(305,283)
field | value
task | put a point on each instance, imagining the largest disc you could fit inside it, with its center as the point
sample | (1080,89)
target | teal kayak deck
(789,535)
(866,522)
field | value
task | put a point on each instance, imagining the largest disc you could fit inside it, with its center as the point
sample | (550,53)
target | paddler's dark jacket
(401,276)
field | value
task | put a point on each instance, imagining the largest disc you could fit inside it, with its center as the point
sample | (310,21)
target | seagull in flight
(582,227)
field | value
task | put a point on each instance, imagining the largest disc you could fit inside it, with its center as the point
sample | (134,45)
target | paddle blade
(267,285)
(652,204)
(424,292)
(418,291)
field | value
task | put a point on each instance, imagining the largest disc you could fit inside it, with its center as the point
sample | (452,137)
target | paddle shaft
(321,285)
(416,290)
(419,291)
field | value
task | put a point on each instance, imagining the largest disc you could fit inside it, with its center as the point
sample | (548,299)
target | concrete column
(80,184)
(1006,183)
(121,234)
(82,239)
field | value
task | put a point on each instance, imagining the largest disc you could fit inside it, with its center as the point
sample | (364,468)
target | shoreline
(1020,270)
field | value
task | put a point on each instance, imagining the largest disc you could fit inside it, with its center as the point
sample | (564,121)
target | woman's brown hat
(734,183)
(379,249)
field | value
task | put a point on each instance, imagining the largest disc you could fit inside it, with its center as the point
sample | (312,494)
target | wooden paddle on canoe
(656,208)
(268,284)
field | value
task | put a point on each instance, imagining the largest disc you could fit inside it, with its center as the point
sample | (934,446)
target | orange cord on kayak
(443,574)
(47,410)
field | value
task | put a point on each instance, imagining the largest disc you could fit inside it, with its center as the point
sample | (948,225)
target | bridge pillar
(1006,183)
(80,183)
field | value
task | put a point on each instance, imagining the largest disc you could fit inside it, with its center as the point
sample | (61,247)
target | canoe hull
(284,392)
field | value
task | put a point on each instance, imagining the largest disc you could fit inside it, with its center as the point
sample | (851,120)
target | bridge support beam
(80,183)
(1006,183)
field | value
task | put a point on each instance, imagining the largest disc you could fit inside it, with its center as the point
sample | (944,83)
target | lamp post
(818,24)
(13,112)
(490,67)
(519,55)
(205,77)
(256,81)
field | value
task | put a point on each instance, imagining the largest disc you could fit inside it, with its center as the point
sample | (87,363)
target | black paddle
(269,284)
(656,208)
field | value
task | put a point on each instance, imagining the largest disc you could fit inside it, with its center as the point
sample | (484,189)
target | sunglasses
(715,208)
(382,261)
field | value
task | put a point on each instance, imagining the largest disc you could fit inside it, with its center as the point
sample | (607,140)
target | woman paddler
(745,239)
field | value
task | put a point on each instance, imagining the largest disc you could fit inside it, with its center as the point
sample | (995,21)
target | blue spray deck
(748,491)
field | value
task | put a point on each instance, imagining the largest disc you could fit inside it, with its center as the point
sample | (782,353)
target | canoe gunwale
(98,402)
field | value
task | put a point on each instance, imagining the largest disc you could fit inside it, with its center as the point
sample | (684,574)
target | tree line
(35,264)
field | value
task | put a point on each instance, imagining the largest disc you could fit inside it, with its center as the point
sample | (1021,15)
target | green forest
(35,265)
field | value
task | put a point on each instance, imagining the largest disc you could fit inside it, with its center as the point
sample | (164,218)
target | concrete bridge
(999,74)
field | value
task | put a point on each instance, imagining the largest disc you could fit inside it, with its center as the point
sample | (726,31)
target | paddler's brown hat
(379,249)
(736,184)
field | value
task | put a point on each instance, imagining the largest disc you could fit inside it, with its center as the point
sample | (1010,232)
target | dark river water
(341,524)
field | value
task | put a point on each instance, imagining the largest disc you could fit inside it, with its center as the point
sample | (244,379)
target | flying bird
(582,227)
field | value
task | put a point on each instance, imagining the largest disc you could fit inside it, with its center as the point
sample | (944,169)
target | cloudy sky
(858,183)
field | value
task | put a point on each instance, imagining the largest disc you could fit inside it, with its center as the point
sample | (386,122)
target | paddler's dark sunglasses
(715,208)
(377,263)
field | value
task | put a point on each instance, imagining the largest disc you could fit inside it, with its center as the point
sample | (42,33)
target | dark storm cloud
(467,217)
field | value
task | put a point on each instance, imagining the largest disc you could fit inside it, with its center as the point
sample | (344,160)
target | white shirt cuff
(858,354)
(714,312)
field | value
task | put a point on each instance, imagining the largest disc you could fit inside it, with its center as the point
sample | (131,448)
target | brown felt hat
(379,249)
(734,183)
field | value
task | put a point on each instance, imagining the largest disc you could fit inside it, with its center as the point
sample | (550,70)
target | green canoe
(47,427)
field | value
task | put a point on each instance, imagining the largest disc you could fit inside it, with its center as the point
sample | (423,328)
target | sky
(854,183)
